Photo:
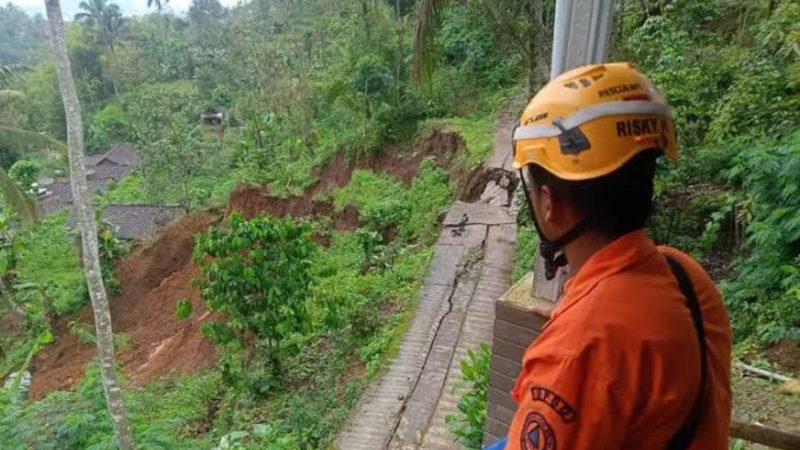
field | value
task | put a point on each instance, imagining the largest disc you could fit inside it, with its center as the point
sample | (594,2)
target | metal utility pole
(582,36)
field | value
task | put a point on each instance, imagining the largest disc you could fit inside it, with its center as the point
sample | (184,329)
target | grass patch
(366,191)
(525,252)
(47,256)
(128,189)
(164,415)
(386,203)
(478,134)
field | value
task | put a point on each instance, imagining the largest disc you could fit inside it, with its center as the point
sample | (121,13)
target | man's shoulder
(696,272)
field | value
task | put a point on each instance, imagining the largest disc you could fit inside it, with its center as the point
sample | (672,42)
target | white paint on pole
(582,36)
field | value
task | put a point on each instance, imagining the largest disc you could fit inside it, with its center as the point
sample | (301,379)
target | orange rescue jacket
(618,365)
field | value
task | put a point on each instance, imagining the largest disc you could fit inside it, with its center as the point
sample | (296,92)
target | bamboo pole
(764,373)
(762,434)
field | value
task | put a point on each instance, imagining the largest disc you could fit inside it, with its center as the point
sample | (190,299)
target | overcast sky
(129,7)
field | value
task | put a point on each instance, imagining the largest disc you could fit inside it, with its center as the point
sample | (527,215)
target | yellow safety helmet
(589,121)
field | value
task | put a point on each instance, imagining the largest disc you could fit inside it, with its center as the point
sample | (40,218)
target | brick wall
(515,327)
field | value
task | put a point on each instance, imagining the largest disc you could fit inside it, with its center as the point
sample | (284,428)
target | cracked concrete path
(406,406)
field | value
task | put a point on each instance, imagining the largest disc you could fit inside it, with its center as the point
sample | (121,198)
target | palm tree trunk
(88,227)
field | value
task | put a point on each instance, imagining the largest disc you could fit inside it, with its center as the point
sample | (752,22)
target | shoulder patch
(537,433)
(554,401)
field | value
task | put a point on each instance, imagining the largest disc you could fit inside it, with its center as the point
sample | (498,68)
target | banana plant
(21,140)
(46,337)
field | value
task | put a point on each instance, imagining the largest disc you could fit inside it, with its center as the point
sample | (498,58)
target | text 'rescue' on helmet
(589,121)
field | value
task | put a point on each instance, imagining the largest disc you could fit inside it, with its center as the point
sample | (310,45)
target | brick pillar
(515,327)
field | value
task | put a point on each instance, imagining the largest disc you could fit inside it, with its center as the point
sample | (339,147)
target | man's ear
(546,203)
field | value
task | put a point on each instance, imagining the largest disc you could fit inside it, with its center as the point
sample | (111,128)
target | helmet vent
(585,82)
(597,76)
(571,85)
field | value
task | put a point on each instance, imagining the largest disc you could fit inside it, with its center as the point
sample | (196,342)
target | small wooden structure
(213,121)
(213,117)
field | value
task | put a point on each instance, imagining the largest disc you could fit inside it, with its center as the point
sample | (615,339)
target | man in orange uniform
(636,354)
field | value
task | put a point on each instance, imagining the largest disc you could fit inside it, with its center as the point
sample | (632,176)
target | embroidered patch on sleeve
(537,433)
(554,401)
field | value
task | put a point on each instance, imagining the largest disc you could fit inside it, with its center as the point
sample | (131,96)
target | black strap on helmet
(551,251)
(685,434)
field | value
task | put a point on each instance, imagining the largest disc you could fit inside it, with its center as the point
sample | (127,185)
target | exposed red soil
(154,276)
(440,145)
(786,355)
(250,201)
(12,326)
(475,182)
(152,279)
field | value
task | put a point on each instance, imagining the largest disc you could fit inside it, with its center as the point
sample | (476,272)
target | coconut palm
(83,207)
(425,28)
(9,74)
(157,3)
(428,17)
(104,18)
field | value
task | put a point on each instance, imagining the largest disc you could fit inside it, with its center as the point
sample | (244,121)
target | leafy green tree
(764,298)
(22,37)
(108,126)
(44,109)
(256,273)
(523,25)
(163,51)
(15,198)
(25,172)
(10,74)
(205,17)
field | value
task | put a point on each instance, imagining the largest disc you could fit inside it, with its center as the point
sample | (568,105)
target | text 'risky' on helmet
(589,121)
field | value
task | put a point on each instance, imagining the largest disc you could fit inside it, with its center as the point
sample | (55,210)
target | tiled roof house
(134,222)
(101,170)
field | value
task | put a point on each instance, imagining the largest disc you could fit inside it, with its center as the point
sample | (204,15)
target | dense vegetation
(298,82)
(730,70)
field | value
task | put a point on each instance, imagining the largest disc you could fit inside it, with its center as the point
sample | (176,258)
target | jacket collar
(609,260)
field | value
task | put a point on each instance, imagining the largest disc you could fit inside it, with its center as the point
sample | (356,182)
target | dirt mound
(12,325)
(440,145)
(251,201)
(154,276)
(162,343)
(149,265)
(151,278)
(786,355)
(477,180)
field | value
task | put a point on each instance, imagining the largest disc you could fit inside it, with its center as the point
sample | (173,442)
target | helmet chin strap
(552,251)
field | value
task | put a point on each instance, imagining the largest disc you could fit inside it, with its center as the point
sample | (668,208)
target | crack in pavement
(470,265)
(467,266)
(493,224)
(411,396)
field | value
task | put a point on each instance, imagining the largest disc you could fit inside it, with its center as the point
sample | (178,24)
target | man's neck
(583,247)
